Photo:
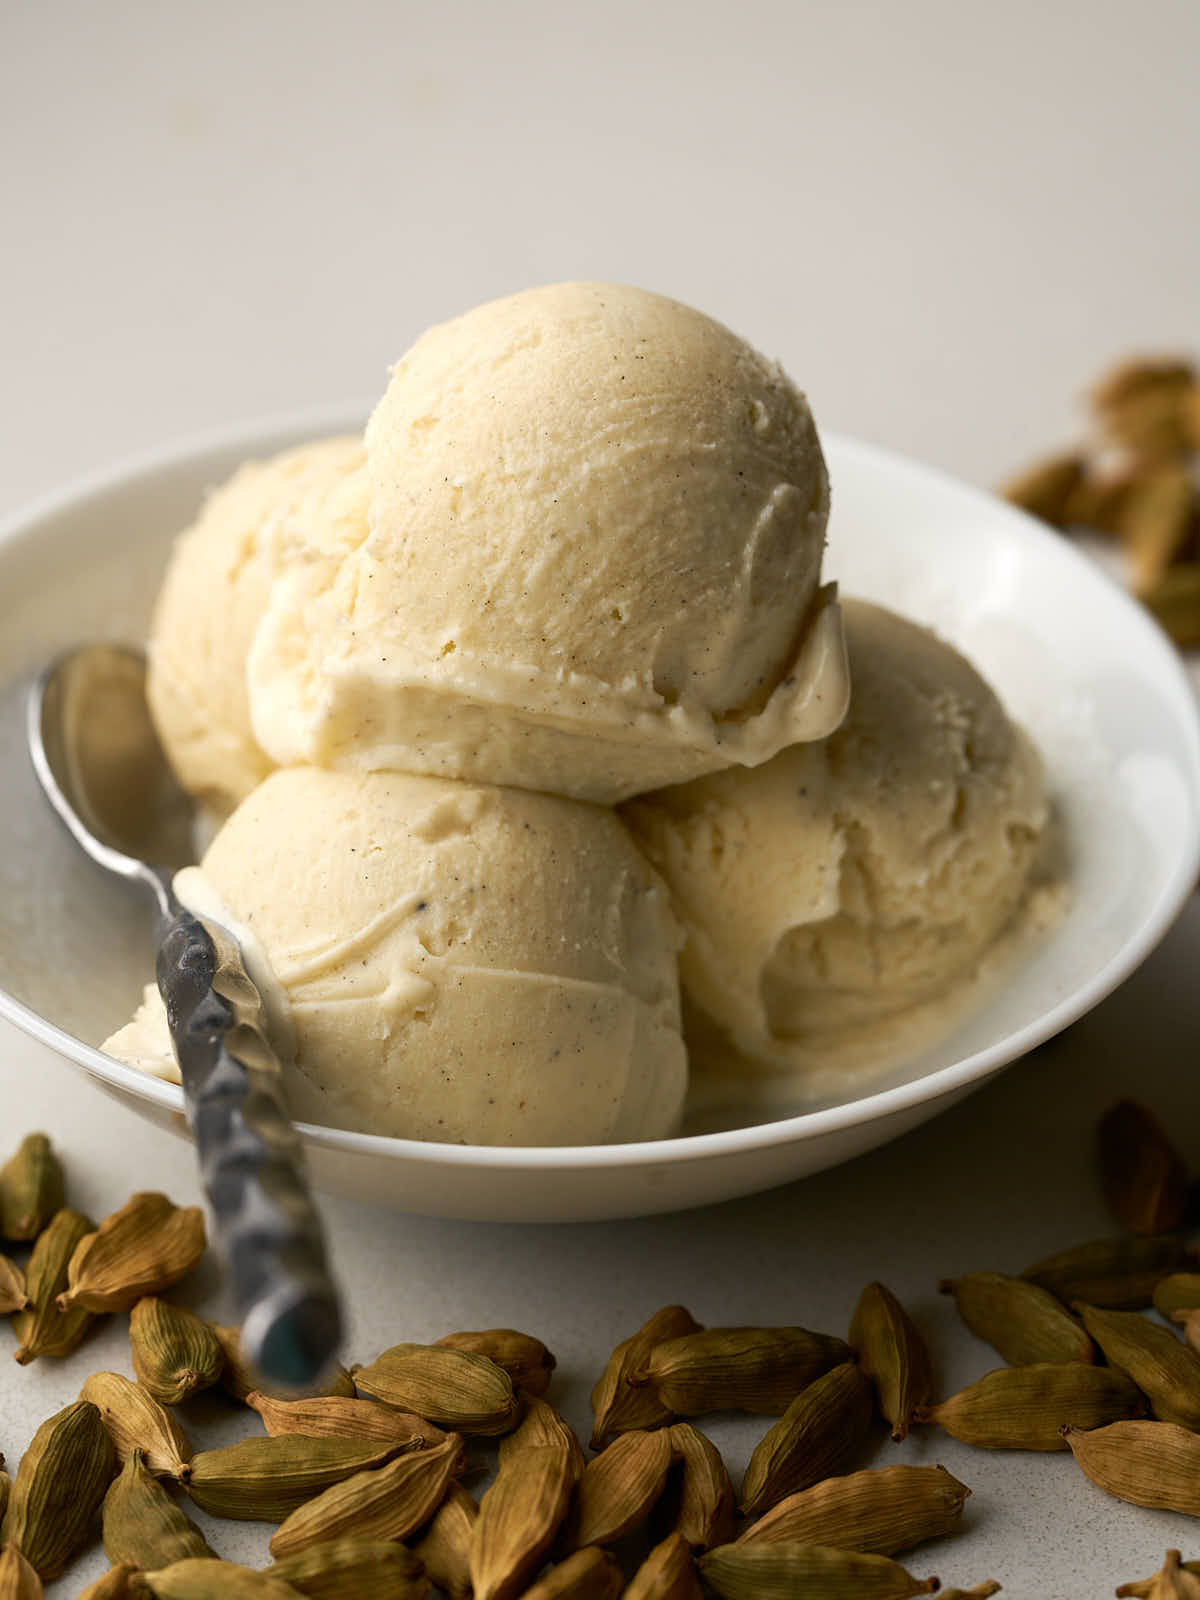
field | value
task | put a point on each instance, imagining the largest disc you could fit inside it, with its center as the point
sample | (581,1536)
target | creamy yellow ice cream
(593,566)
(849,884)
(271,519)
(451,961)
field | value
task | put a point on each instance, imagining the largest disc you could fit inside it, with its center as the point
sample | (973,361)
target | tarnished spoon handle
(251,1162)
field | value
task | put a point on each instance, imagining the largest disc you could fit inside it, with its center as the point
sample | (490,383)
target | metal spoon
(97,756)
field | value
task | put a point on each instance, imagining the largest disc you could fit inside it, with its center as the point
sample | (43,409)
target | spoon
(97,756)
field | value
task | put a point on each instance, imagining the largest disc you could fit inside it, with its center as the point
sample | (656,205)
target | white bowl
(1083,667)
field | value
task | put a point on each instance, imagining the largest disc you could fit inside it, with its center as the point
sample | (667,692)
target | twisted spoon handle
(251,1162)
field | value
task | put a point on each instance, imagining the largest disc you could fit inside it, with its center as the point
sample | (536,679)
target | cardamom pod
(1155,1464)
(335,1417)
(738,1369)
(1024,1408)
(618,1489)
(525,1359)
(667,1573)
(115,1584)
(616,1405)
(1143,1176)
(143,1525)
(698,1500)
(1141,407)
(174,1353)
(455,1388)
(783,1571)
(522,1511)
(818,1435)
(892,1353)
(18,1580)
(42,1329)
(13,1294)
(1179,1291)
(355,1569)
(240,1379)
(265,1479)
(1045,489)
(58,1488)
(388,1502)
(1176,1579)
(1164,1369)
(880,1510)
(142,1249)
(1116,1273)
(1021,1320)
(134,1420)
(589,1574)
(212,1580)
(32,1189)
(445,1547)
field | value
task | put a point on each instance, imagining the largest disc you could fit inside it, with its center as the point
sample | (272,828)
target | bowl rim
(275,431)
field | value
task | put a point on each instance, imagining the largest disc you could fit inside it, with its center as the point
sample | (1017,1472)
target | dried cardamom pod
(525,1359)
(240,1379)
(1045,490)
(667,1573)
(1164,1369)
(1155,1464)
(738,1369)
(445,1547)
(818,1436)
(212,1580)
(18,1580)
(115,1584)
(892,1353)
(265,1479)
(619,1488)
(388,1502)
(135,1421)
(142,1249)
(13,1294)
(764,1572)
(1176,1579)
(1143,1176)
(522,1511)
(335,1417)
(589,1574)
(1023,1321)
(616,1405)
(32,1189)
(881,1510)
(698,1500)
(1117,1273)
(143,1525)
(1180,1291)
(455,1388)
(1024,1408)
(355,1569)
(175,1354)
(58,1488)
(42,1329)
(1148,417)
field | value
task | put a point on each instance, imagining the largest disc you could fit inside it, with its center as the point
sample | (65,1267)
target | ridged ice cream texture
(850,882)
(457,962)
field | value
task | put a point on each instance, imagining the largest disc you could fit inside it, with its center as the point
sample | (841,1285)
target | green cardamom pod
(892,1353)
(1023,1321)
(818,1436)
(212,1580)
(667,1573)
(457,1389)
(18,1580)
(738,1369)
(589,1574)
(136,1421)
(880,1510)
(1119,1274)
(115,1584)
(1154,1464)
(42,1329)
(616,1405)
(266,1480)
(142,1249)
(1143,1176)
(445,1546)
(336,1417)
(32,1189)
(783,1571)
(174,1353)
(58,1488)
(1166,1370)
(13,1294)
(355,1569)
(1025,1408)
(698,1500)
(143,1525)
(521,1513)
(526,1359)
(618,1488)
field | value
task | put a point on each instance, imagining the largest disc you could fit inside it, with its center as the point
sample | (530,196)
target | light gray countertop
(945,219)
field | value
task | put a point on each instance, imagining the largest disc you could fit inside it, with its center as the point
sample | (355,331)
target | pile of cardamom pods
(365,1479)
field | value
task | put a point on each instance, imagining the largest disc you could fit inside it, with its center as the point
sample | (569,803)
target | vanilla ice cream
(448,961)
(596,523)
(305,506)
(853,883)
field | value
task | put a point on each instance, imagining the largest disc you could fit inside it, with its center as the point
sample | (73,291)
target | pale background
(943,217)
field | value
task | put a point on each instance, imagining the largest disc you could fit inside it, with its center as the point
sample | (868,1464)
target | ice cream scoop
(100,764)
(591,563)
